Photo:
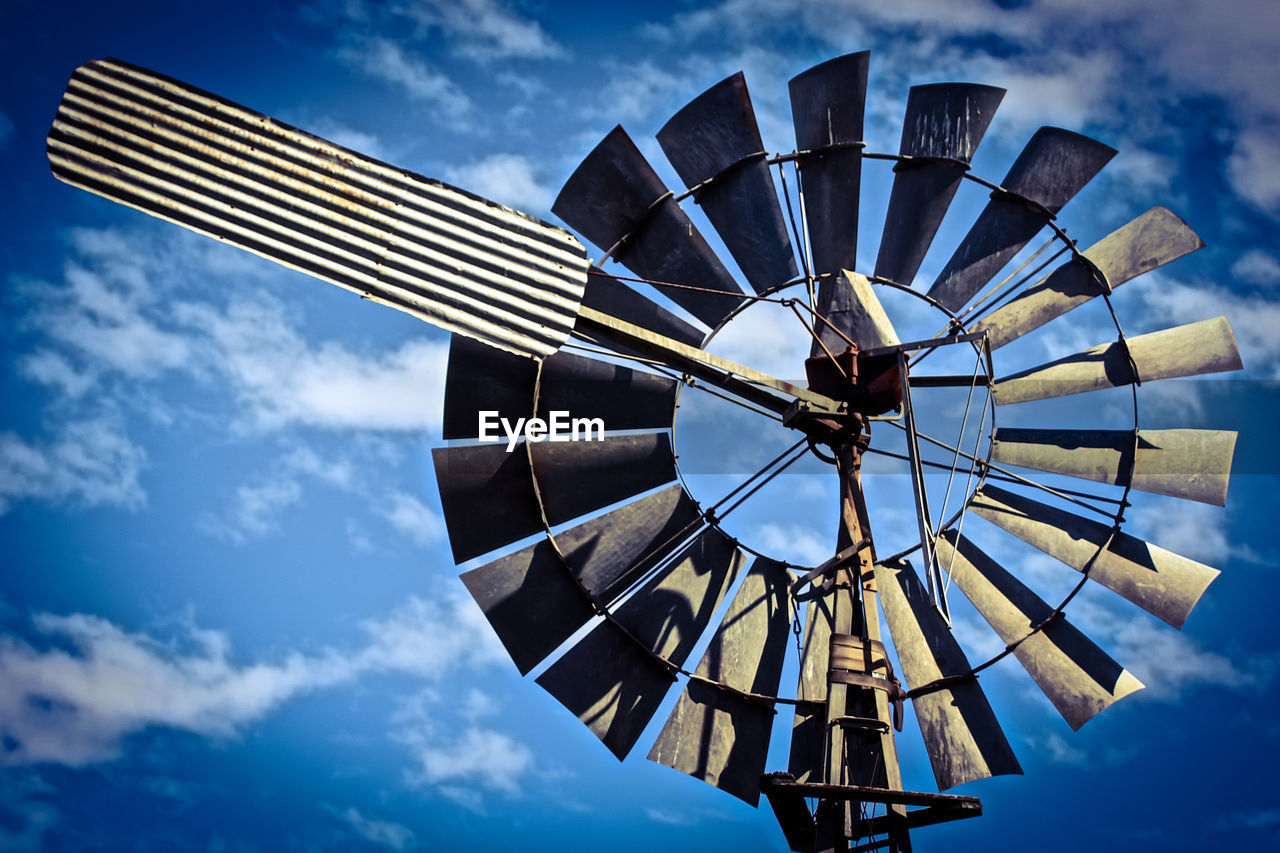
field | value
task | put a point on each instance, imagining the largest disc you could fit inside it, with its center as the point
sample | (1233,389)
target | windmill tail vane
(604,573)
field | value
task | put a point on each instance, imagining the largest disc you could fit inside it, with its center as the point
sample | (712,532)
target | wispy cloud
(511,179)
(75,702)
(385,60)
(465,760)
(84,462)
(483,29)
(479,756)
(283,380)
(413,519)
(384,833)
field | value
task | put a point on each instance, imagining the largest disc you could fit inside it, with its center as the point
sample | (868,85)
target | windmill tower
(606,569)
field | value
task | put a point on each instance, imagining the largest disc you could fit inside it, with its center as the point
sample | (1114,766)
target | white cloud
(414,520)
(1169,662)
(385,60)
(429,638)
(384,833)
(282,380)
(108,322)
(632,93)
(1258,268)
(1058,750)
(1252,167)
(77,701)
(484,29)
(509,179)
(255,510)
(482,757)
(88,462)
(1194,530)
(797,543)
(51,368)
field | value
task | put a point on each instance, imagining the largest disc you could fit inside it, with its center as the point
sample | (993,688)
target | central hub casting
(870,383)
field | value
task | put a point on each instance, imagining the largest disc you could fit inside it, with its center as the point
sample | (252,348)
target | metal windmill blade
(605,571)
(1195,349)
(1052,168)
(940,134)
(1154,239)
(619,203)
(715,147)
(827,106)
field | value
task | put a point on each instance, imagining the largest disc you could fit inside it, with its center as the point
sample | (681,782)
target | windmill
(605,570)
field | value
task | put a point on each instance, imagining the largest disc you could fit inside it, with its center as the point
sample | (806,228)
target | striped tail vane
(454,259)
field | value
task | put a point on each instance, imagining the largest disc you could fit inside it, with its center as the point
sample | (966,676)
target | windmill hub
(870,382)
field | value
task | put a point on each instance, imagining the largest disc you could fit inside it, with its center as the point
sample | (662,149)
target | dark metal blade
(615,193)
(483,378)
(808,755)
(1160,582)
(1191,350)
(531,597)
(827,106)
(576,477)
(613,679)
(1153,239)
(961,734)
(488,495)
(1052,168)
(609,295)
(721,737)
(1079,678)
(448,257)
(715,136)
(1184,463)
(943,125)
(620,397)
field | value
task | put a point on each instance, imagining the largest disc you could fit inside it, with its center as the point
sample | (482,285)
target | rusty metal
(1161,582)
(720,736)
(454,259)
(614,197)
(1195,349)
(715,146)
(943,126)
(1054,166)
(827,106)
(1151,240)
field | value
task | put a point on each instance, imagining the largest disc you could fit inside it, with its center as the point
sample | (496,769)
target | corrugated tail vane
(451,258)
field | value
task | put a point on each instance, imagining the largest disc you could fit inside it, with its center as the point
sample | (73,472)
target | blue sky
(229,619)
